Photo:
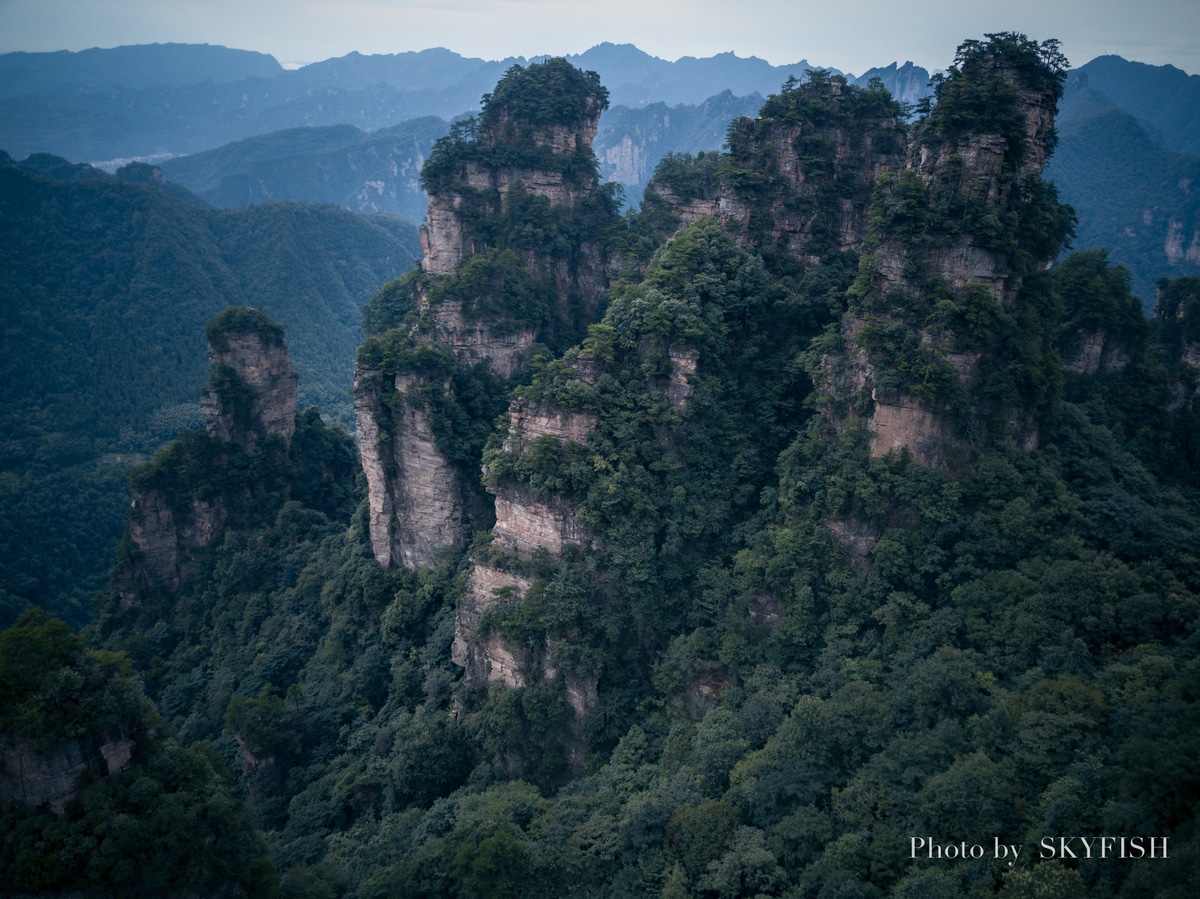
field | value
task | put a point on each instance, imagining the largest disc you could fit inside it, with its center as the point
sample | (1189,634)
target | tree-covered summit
(243,320)
(978,93)
(553,92)
(540,117)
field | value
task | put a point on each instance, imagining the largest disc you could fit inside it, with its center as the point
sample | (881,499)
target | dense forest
(766,653)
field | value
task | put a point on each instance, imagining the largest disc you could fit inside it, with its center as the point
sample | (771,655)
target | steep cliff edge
(513,256)
(414,493)
(531,524)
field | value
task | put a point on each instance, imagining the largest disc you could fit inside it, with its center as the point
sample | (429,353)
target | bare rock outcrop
(511,156)
(1097,351)
(683,369)
(414,497)
(474,342)
(528,422)
(485,657)
(167,536)
(525,525)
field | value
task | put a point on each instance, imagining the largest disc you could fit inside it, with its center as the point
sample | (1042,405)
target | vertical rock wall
(526,526)
(414,496)
(35,779)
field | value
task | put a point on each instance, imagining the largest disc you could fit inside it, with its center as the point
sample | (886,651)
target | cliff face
(843,146)
(502,268)
(37,780)
(936,218)
(526,526)
(166,539)
(414,495)
(1097,351)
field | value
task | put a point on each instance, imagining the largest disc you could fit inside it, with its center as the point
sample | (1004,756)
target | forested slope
(107,286)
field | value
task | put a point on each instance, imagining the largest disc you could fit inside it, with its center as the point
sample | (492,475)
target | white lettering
(1002,850)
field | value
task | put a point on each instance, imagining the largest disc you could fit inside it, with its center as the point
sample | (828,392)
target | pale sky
(851,36)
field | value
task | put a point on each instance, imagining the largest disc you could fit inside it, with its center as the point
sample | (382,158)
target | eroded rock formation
(250,400)
(1097,351)
(166,536)
(252,391)
(414,495)
(941,214)
(527,527)
(952,241)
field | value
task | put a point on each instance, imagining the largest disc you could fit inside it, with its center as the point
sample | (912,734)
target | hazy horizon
(1158,32)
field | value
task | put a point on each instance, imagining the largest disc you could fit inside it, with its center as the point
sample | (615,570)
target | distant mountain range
(170,99)
(339,164)
(380,171)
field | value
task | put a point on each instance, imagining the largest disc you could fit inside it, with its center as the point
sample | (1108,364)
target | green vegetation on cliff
(166,823)
(804,655)
(527,104)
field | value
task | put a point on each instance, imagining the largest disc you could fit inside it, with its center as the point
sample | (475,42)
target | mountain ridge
(369,92)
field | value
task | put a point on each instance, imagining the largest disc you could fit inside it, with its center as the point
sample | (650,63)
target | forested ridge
(805,654)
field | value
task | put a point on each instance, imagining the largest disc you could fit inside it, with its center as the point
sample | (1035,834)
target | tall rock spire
(510,258)
(251,392)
